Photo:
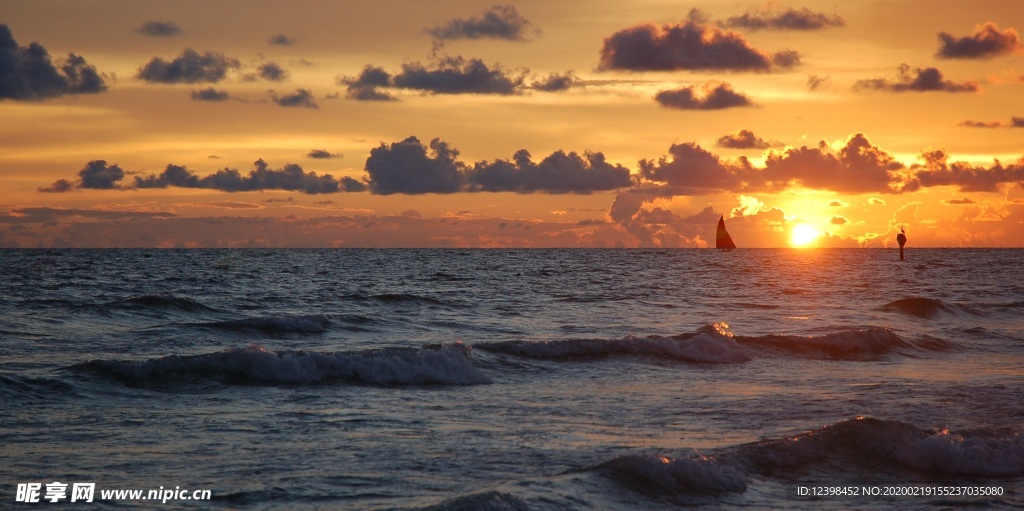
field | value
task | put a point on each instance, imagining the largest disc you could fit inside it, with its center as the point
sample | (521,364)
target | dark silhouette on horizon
(901,238)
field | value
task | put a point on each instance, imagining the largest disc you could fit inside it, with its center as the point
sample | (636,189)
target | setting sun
(803,235)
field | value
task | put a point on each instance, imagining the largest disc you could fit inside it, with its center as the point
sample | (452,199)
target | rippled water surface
(523,379)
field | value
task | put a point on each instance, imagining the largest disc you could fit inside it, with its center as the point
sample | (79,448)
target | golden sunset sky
(529,124)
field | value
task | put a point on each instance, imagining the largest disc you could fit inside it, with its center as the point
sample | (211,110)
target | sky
(463,123)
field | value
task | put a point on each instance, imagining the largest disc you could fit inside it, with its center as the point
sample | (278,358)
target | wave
(303,324)
(871,442)
(396,298)
(447,364)
(164,301)
(699,348)
(486,501)
(842,345)
(853,449)
(661,475)
(919,307)
(16,387)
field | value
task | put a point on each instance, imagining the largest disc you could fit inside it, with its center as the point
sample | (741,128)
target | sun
(803,235)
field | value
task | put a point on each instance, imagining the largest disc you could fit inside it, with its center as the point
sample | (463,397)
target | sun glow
(803,235)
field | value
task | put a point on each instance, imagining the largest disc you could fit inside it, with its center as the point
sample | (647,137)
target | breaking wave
(442,365)
(661,475)
(843,345)
(869,442)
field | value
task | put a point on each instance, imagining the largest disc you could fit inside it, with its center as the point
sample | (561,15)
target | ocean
(513,379)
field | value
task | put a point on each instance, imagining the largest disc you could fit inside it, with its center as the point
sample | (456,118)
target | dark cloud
(456,75)
(958,202)
(300,98)
(280,40)
(982,124)
(406,167)
(98,175)
(838,220)
(210,94)
(715,97)
(693,170)
(322,154)
(859,167)
(1017,122)
(291,177)
(692,45)
(499,22)
(986,42)
(58,186)
(742,139)
(160,29)
(365,87)
(790,19)
(818,83)
(273,72)
(937,171)
(189,67)
(920,80)
(557,173)
(555,82)
(289,199)
(27,73)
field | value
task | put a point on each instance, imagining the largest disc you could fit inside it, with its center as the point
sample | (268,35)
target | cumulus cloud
(557,173)
(693,170)
(160,29)
(189,67)
(27,73)
(280,40)
(938,171)
(210,94)
(838,220)
(790,19)
(712,97)
(300,98)
(498,22)
(692,45)
(555,82)
(986,42)
(456,75)
(742,139)
(273,72)
(916,80)
(407,167)
(858,167)
(322,154)
(58,186)
(366,86)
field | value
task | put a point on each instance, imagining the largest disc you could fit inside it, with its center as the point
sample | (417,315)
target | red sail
(722,239)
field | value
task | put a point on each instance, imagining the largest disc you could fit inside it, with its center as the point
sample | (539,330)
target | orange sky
(528,124)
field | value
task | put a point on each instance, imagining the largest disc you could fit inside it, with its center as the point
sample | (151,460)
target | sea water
(515,379)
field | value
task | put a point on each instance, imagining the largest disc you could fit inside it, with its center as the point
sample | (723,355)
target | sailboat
(722,239)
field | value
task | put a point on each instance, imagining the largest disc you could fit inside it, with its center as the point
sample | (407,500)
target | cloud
(210,94)
(818,83)
(692,45)
(365,87)
(693,170)
(742,139)
(322,154)
(300,98)
(280,40)
(875,201)
(937,171)
(96,175)
(986,42)
(858,167)
(1015,122)
(27,73)
(790,19)
(160,29)
(715,97)
(456,75)
(406,167)
(47,214)
(921,80)
(838,204)
(838,220)
(958,202)
(499,22)
(272,72)
(556,82)
(58,186)
(189,67)
(557,173)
